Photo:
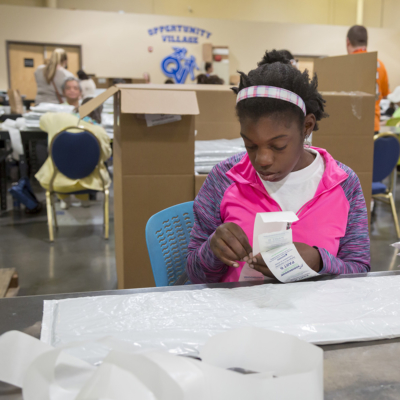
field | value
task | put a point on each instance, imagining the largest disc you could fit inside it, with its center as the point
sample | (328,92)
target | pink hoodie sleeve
(202,266)
(354,248)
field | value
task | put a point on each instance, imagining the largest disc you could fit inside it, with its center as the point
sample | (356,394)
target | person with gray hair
(72,91)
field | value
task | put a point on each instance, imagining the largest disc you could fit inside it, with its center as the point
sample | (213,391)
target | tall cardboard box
(347,84)
(153,168)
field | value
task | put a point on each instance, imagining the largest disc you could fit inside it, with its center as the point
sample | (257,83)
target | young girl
(278,109)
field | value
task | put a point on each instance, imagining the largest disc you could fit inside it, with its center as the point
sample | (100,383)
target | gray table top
(361,370)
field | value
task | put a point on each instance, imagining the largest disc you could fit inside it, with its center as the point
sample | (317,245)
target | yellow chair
(386,154)
(393,122)
(76,155)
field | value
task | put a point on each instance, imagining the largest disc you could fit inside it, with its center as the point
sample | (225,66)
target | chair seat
(378,188)
(88,191)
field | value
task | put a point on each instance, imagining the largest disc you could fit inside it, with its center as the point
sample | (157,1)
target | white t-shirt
(299,187)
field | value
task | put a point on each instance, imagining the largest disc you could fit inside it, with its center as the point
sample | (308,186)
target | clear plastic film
(322,312)
(209,153)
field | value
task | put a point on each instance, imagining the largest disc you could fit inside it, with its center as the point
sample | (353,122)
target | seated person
(278,108)
(209,69)
(72,92)
(52,123)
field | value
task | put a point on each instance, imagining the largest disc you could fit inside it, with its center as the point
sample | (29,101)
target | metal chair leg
(394,212)
(49,216)
(106,214)
(54,211)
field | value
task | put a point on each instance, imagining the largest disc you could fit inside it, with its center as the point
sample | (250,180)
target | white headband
(273,93)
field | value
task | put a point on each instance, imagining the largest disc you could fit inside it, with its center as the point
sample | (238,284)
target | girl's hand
(309,254)
(230,244)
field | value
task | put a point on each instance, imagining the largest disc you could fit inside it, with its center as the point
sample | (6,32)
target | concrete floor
(81,260)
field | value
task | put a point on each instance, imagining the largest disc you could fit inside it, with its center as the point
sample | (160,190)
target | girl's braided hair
(275,70)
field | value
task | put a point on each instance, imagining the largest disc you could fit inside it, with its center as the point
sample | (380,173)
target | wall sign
(179,33)
(177,66)
(28,62)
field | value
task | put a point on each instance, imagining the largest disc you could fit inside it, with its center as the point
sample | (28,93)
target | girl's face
(276,145)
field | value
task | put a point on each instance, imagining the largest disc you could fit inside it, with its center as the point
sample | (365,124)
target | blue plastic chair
(167,238)
(76,155)
(386,156)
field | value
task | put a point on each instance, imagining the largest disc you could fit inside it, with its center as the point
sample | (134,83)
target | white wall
(116,44)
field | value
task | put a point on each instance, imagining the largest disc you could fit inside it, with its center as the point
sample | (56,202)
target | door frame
(10,42)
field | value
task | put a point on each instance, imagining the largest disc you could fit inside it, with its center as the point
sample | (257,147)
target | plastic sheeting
(209,153)
(243,363)
(322,312)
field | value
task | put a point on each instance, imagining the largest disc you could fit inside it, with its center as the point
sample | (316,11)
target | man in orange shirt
(357,42)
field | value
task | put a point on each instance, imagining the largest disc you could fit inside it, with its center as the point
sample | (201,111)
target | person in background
(95,116)
(87,84)
(202,79)
(50,77)
(209,68)
(214,80)
(53,123)
(357,42)
(72,92)
(169,81)
(395,100)
(278,108)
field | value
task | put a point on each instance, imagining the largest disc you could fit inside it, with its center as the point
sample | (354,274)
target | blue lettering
(179,26)
(208,34)
(150,32)
(185,28)
(192,30)
(202,32)
(195,40)
(173,28)
(161,28)
(164,38)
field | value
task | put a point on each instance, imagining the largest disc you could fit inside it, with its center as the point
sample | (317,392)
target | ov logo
(177,66)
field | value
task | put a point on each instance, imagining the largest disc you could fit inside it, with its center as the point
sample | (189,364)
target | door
(24,58)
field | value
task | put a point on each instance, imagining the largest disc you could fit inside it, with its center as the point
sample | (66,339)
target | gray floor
(81,260)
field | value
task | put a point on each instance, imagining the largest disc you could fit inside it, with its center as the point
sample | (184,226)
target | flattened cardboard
(347,73)
(91,105)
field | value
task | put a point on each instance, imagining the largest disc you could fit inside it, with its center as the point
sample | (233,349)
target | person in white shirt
(50,77)
(72,92)
(87,84)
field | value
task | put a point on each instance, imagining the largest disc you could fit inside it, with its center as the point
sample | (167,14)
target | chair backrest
(386,155)
(167,237)
(75,154)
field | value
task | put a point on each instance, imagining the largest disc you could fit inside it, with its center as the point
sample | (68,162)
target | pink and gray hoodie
(335,220)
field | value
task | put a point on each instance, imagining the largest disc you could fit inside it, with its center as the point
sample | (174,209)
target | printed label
(286,264)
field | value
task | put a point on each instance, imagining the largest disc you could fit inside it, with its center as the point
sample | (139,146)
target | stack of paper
(209,153)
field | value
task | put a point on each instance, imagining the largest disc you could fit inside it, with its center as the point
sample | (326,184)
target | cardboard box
(217,118)
(153,168)
(348,86)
